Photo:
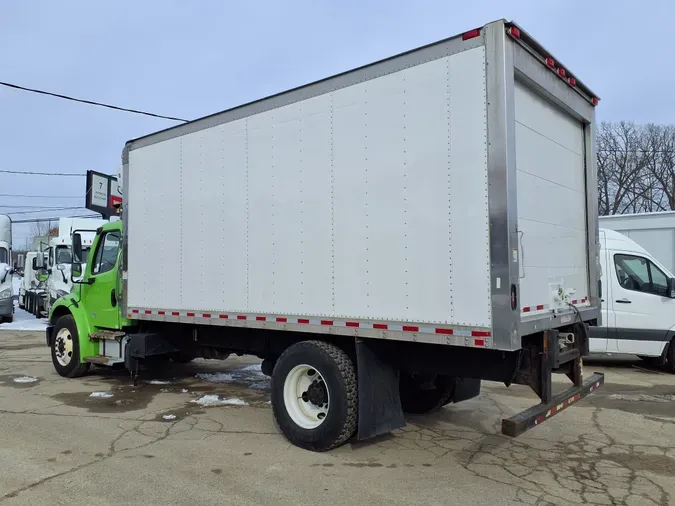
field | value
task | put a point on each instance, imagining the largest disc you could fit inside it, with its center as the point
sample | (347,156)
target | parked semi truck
(383,240)
(6,290)
(52,267)
(655,232)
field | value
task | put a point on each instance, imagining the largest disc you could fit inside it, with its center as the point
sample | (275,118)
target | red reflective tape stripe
(282,320)
(241,317)
(540,307)
(410,328)
(175,313)
(206,315)
(326,322)
(134,310)
(539,419)
(480,333)
(147,311)
(223,316)
(448,332)
(380,326)
(479,342)
(303,321)
(261,318)
(162,313)
(190,314)
(352,324)
(526,310)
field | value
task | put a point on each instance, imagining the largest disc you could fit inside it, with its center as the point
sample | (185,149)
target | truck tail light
(514,32)
(562,72)
(471,34)
(550,62)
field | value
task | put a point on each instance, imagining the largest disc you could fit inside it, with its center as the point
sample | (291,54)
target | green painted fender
(66,306)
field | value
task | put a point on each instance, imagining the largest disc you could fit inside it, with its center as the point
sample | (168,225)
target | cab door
(101,295)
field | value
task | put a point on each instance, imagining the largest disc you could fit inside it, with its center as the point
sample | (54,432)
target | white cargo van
(638,302)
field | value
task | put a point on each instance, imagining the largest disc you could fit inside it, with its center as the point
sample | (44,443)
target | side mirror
(35,267)
(40,260)
(76,270)
(671,288)
(61,267)
(77,246)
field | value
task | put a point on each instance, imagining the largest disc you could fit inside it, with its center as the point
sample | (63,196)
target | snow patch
(169,417)
(215,377)
(101,395)
(253,368)
(185,390)
(214,400)
(159,382)
(24,321)
(24,379)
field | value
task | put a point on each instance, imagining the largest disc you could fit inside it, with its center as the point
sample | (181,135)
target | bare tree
(636,168)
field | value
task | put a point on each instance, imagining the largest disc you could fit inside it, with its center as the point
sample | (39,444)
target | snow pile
(169,417)
(159,382)
(102,395)
(24,379)
(24,321)
(214,400)
(215,377)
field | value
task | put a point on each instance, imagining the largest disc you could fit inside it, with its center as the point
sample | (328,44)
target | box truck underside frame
(506,327)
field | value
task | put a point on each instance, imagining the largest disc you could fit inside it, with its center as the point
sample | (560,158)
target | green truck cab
(91,312)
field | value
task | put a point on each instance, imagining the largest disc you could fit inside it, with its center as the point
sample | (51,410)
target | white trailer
(405,229)
(6,289)
(655,232)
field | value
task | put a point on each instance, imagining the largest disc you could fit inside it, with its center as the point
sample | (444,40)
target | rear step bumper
(536,415)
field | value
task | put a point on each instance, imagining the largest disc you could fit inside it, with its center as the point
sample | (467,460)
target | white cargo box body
(655,232)
(418,198)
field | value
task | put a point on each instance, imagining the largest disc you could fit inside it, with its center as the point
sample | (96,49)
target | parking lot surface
(203,433)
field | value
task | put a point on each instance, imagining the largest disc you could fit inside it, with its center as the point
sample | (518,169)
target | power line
(66,174)
(40,196)
(91,102)
(39,220)
(11,206)
(49,209)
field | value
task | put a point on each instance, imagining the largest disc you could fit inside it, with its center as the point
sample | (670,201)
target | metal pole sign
(103,194)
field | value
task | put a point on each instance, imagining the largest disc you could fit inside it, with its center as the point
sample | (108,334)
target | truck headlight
(6,294)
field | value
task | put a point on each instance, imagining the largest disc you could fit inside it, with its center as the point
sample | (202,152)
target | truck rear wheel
(314,395)
(66,349)
(420,395)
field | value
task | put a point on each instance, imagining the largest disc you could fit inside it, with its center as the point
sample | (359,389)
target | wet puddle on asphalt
(113,391)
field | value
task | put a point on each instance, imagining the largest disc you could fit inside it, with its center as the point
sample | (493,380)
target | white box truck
(655,232)
(383,239)
(6,289)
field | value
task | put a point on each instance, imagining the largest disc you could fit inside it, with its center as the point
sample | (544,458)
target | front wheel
(314,395)
(670,362)
(66,349)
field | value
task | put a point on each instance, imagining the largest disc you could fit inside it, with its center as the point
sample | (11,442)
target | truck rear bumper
(538,414)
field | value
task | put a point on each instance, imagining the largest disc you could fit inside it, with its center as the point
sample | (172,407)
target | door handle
(623,301)
(113,299)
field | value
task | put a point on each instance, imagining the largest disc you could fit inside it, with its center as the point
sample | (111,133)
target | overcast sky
(189,59)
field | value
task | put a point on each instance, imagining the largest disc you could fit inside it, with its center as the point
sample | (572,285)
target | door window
(640,275)
(106,253)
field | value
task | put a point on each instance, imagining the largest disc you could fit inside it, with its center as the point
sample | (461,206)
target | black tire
(339,376)
(670,357)
(74,368)
(182,358)
(420,396)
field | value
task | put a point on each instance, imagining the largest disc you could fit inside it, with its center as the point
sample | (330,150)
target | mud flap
(380,409)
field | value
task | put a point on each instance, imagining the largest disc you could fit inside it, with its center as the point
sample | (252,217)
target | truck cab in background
(638,303)
(6,290)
